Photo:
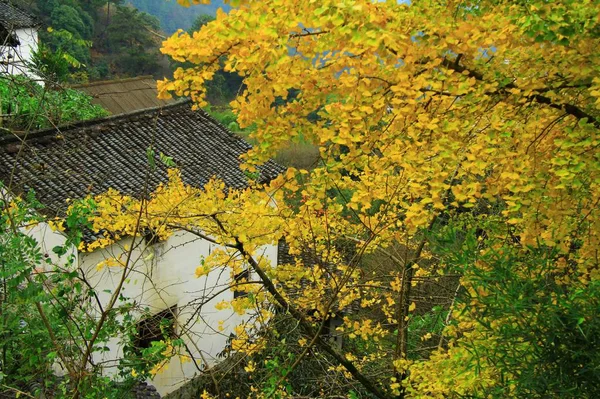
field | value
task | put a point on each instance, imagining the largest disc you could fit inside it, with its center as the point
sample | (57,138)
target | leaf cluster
(26,105)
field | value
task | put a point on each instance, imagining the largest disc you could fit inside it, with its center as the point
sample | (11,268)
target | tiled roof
(12,17)
(124,95)
(90,157)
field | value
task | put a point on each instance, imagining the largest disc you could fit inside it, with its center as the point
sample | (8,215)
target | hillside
(172,16)
(87,40)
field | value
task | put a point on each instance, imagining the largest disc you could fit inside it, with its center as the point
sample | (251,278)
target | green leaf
(59,250)
(320,11)
(150,156)
(167,161)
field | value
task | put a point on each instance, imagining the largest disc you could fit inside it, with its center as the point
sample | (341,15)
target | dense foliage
(47,320)
(26,106)
(102,39)
(460,138)
(223,88)
(451,225)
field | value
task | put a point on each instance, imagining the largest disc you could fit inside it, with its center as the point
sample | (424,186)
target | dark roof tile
(12,17)
(90,157)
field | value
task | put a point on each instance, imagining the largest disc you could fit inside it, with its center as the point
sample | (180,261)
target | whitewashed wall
(163,276)
(16,60)
(48,239)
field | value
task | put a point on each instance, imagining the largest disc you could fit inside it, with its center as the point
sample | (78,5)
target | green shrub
(28,106)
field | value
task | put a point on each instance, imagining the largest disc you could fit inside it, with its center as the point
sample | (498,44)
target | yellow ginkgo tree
(452,221)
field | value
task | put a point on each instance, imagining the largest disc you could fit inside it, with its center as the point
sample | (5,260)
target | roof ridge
(112,81)
(108,93)
(92,156)
(91,122)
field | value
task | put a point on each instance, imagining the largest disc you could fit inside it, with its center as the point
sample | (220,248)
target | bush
(28,106)
(536,327)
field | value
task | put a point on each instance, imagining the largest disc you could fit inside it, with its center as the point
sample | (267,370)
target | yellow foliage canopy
(431,110)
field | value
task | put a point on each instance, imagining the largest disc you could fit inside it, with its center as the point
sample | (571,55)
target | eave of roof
(91,156)
(12,17)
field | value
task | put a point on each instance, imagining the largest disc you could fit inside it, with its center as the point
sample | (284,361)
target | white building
(18,40)
(90,157)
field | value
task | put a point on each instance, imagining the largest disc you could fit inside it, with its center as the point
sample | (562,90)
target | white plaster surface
(17,60)
(163,275)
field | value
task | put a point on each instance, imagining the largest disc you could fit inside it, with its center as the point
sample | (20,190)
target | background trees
(129,38)
(106,38)
(173,17)
(102,39)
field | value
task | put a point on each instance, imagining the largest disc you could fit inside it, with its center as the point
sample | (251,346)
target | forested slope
(85,40)
(172,16)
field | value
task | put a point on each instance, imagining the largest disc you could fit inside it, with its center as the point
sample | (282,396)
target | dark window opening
(239,278)
(150,237)
(8,37)
(156,328)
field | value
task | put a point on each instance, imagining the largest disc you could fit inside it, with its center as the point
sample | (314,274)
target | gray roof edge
(112,81)
(92,122)
(35,23)
(116,118)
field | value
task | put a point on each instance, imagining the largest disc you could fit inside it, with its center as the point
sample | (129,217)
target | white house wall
(163,276)
(16,60)
(47,240)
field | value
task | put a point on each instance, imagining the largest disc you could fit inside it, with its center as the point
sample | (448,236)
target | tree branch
(303,323)
(570,109)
